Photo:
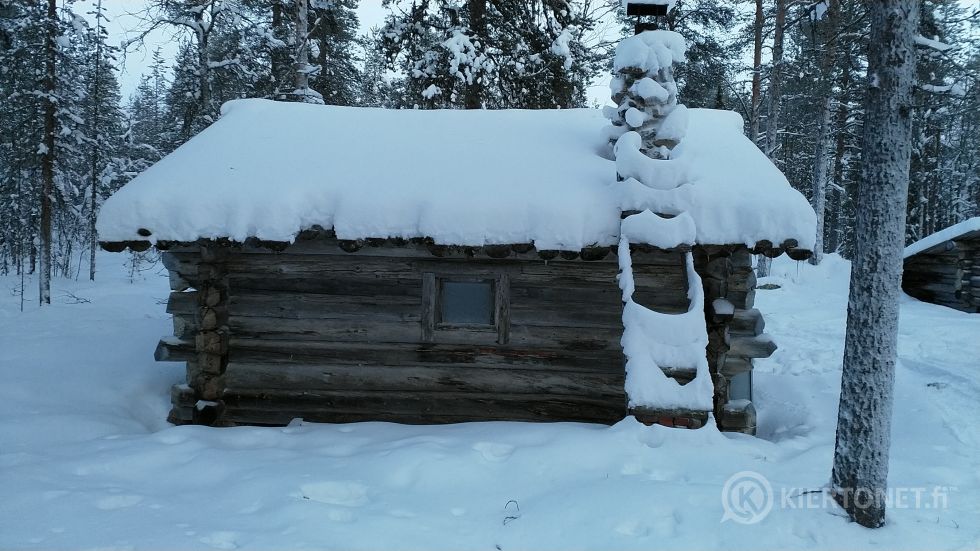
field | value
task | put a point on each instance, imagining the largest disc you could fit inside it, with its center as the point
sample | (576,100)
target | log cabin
(944,268)
(342,264)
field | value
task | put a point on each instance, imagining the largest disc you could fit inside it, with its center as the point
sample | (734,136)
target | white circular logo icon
(746,498)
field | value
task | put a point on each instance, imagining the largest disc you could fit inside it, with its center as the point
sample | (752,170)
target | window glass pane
(740,387)
(466,302)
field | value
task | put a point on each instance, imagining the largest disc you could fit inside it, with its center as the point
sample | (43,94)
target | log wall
(334,336)
(947,274)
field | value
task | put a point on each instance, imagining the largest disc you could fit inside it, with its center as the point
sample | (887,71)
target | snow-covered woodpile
(470,275)
(944,268)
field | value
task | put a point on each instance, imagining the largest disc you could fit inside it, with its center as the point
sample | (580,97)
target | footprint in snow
(346,493)
(632,528)
(220,540)
(117,502)
(494,452)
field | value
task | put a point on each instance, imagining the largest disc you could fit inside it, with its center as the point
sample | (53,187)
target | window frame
(434,330)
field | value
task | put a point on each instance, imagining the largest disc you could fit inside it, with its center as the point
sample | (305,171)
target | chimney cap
(641,8)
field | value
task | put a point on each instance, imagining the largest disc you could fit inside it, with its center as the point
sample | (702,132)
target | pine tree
(860,469)
(492,53)
(48,90)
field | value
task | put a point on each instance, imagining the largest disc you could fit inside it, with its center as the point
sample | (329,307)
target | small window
(466,302)
(740,387)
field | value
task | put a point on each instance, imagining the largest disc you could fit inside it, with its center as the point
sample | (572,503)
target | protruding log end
(799,254)
(350,245)
(497,251)
(593,254)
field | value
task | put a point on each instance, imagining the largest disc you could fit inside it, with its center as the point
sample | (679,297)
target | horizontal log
(743,283)
(947,287)
(418,407)
(182,396)
(335,286)
(320,306)
(741,258)
(743,300)
(185,326)
(644,413)
(592,338)
(738,416)
(178,283)
(734,365)
(747,322)
(182,303)
(569,315)
(171,349)
(246,377)
(461,356)
(761,346)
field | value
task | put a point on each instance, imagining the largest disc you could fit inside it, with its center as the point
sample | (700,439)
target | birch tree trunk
(828,61)
(47,159)
(860,469)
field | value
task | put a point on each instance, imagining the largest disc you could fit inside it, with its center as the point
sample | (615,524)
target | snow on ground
(87,461)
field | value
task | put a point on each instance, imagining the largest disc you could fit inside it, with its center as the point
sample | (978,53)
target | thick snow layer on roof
(269,169)
(730,188)
(956,230)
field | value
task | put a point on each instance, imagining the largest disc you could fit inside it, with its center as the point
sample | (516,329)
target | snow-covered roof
(270,169)
(952,232)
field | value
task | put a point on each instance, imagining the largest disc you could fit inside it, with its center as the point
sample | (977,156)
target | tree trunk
(837,233)
(301,67)
(828,40)
(820,177)
(860,469)
(763,263)
(96,144)
(776,82)
(47,159)
(757,73)
(478,25)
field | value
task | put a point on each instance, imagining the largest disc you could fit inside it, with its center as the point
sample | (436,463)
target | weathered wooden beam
(738,416)
(761,346)
(414,407)
(457,356)
(735,365)
(748,322)
(304,378)
(172,349)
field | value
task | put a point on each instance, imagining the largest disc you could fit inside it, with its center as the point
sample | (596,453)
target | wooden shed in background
(944,268)
(377,280)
